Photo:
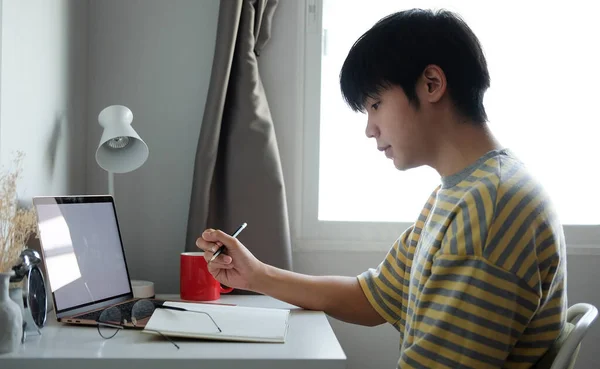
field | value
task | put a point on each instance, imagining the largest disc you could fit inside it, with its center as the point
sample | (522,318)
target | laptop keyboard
(125,309)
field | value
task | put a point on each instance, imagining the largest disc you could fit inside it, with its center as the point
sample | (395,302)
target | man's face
(400,129)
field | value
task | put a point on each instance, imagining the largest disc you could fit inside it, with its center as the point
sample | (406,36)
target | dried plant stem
(16,225)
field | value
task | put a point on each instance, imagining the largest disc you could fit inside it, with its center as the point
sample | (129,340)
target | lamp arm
(111,183)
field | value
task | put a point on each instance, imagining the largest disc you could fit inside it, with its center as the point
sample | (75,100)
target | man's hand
(236,267)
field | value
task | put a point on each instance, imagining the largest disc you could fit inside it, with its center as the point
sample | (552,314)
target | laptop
(84,257)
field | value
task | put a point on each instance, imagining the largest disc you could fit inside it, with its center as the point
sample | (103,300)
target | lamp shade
(121,149)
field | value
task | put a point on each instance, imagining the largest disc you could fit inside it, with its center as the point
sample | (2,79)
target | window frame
(322,235)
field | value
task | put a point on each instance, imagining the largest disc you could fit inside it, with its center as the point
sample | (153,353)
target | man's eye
(375,106)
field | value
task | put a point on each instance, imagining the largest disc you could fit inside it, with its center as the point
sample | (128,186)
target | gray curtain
(237,174)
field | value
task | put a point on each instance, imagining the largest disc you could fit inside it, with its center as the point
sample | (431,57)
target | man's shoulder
(503,212)
(502,181)
(525,226)
(520,194)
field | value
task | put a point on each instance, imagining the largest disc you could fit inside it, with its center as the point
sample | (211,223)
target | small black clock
(34,292)
(34,298)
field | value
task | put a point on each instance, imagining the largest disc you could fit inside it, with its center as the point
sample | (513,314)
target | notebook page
(237,323)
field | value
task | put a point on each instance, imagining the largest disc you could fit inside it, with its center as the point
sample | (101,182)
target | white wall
(42,93)
(154,57)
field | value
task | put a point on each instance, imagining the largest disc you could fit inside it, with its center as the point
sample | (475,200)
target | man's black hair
(396,50)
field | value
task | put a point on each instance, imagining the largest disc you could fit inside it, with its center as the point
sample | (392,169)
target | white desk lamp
(121,149)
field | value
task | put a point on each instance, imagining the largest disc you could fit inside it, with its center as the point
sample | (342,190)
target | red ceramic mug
(195,281)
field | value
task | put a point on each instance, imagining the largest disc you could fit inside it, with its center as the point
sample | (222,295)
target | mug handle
(225,290)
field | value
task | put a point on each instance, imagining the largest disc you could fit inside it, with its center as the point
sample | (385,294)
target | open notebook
(237,323)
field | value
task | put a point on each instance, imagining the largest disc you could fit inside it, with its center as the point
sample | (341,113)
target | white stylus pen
(234,235)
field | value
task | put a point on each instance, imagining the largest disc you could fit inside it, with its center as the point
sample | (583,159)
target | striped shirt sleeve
(386,287)
(470,314)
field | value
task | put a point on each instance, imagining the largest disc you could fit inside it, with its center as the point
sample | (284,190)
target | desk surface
(310,343)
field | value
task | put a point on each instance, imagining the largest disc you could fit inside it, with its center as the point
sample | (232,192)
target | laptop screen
(83,253)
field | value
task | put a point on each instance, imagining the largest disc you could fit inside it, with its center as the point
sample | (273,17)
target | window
(541,104)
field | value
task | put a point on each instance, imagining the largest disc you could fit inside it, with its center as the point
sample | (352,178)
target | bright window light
(542,104)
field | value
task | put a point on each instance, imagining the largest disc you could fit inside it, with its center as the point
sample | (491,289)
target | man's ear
(433,83)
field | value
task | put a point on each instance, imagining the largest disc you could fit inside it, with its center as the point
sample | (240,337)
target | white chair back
(569,350)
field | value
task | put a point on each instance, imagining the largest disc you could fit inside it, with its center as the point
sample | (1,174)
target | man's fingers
(222,259)
(215,266)
(206,246)
(217,236)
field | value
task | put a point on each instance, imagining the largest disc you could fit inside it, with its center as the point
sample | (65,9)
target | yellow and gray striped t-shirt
(479,281)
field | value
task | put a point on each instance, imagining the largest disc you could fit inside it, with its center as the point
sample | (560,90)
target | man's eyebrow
(371,99)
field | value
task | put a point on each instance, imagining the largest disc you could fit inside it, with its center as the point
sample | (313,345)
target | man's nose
(371,131)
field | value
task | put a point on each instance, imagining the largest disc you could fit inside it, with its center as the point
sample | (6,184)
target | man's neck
(461,145)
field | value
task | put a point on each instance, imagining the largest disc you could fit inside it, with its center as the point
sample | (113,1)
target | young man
(479,280)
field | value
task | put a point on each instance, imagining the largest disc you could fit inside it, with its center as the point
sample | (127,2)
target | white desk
(310,343)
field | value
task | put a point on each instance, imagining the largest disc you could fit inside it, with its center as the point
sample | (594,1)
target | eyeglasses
(112,319)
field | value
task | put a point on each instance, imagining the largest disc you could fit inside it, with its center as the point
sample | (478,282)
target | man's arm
(340,297)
